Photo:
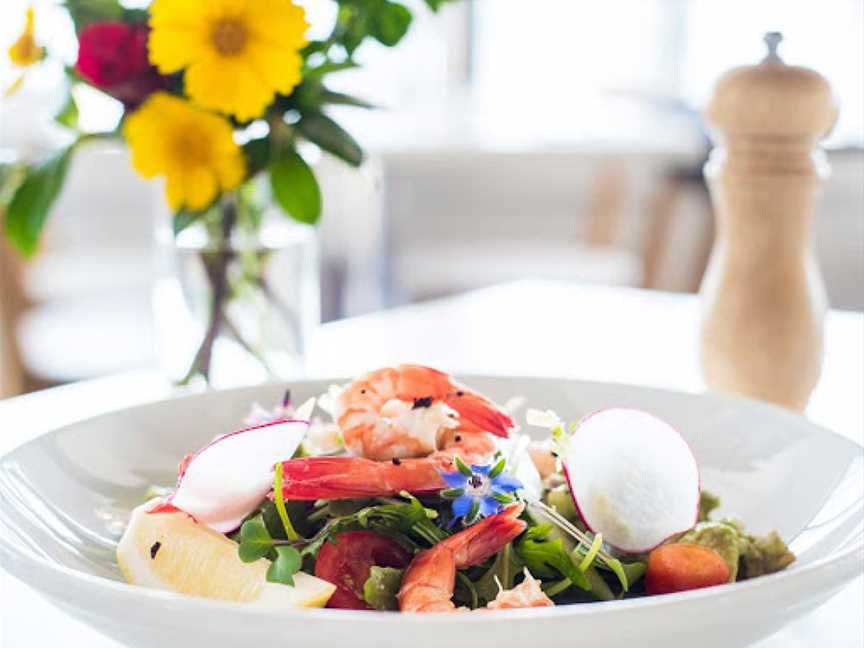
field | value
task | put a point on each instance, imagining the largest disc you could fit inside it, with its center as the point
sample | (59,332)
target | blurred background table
(524,328)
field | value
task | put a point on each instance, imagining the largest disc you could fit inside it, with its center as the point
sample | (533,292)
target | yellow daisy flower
(237,53)
(193,149)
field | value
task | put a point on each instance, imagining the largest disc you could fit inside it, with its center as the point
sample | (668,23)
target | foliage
(291,118)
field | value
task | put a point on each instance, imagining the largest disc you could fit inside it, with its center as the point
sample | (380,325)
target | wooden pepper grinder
(763,297)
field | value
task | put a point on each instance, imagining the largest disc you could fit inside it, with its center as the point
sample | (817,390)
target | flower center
(192,150)
(229,36)
(477,486)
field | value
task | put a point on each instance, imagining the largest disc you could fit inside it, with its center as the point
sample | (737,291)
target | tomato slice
(347,560)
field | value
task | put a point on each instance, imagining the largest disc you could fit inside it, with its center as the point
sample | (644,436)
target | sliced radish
(226,480)
(633,478)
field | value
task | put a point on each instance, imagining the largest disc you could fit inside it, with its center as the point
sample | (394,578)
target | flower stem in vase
(216,267)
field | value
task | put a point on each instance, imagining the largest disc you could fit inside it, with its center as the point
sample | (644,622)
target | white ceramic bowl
(65,495)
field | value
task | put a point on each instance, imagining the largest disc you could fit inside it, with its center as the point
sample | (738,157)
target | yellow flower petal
(200,187)
(237,53)
(229,86)
(193,149)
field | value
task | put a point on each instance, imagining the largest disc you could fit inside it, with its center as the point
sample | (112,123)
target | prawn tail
(480,413)
(486,538)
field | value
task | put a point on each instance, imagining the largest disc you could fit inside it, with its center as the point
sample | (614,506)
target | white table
(526,328)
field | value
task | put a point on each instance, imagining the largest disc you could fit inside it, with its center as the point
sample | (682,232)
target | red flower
(113,57)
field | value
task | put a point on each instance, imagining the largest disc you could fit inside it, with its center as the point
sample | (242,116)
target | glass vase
(237,296)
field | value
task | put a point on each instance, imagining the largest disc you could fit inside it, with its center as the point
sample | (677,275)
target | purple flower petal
(481,470)
(505,483)
(454,479)
(461,505)
(489,506)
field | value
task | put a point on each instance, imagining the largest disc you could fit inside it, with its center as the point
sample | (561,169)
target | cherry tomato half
(347,560)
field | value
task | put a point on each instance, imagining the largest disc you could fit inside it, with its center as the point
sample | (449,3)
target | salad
(405,490)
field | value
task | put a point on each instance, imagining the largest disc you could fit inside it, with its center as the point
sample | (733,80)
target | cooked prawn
(431,577)
(526,594)
(410,411)
(313,478)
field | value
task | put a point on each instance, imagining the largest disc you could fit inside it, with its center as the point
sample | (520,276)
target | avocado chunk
(722,538)
(765,555)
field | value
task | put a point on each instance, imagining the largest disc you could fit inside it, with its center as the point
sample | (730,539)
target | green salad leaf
(501,575)
(286,564)
(407,521)
(255,540)
(548,558)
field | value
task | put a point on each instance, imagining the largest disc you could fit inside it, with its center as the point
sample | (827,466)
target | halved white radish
(224,481)
(633,478)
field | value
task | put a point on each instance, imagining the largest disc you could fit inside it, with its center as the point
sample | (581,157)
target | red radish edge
(576,502)
(166,506)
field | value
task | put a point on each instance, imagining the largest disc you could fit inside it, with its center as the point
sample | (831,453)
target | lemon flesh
(171,551)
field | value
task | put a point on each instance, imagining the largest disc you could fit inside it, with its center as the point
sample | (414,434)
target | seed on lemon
(171,551)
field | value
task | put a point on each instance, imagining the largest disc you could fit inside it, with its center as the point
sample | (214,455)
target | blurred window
(568,59)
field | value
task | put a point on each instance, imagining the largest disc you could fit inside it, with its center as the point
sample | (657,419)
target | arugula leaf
(286,564)
(407,522)
(503,571)
(295,188)
(465,591)
(255,541)
(33,199)
(382,586)
(547,558)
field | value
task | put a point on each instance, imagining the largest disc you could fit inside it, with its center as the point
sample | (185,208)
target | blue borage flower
(479,491)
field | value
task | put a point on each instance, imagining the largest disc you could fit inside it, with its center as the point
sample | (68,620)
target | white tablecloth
(527,328)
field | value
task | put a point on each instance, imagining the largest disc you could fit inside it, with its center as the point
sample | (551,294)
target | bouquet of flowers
(216,94)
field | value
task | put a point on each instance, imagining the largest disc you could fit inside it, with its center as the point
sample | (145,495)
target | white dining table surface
(535,328)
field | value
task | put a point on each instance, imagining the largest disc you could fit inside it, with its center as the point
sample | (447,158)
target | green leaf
(352,27)
(465,591)
(338,98)
(328,68)
(32,201)
(287,564)
(390,23)
(84,12)
(183,219)
(330,136)
(503,571)
(258,154)
(295,188)
(547,558)
(68,114)
(382,586)
(435,5)
(255,541)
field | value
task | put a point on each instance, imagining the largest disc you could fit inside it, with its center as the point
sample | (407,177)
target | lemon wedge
(173,552)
